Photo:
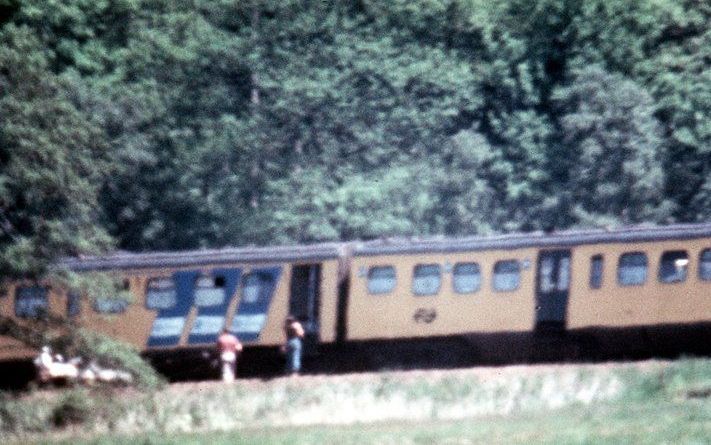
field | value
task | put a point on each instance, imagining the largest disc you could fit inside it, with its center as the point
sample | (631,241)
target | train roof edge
(150,260)
(563,239)
(388,246)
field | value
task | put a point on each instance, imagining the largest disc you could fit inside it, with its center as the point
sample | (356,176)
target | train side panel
(403,314)
(652,302)
(255,300)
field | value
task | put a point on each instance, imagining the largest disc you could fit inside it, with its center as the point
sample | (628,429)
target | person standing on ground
(229,347)
(294,344)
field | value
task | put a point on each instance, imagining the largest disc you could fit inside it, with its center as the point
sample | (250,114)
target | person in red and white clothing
(229,347)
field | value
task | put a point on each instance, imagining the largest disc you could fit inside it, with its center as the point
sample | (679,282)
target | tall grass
(603,394)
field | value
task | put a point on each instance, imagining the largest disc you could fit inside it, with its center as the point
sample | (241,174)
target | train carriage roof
(535,239)
(390,246)
(150,260)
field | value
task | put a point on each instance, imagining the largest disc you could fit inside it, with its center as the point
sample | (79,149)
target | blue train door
(552,288)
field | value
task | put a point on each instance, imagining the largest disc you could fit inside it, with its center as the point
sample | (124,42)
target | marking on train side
(211,319)
(251,316)
(169,323)
(424,315)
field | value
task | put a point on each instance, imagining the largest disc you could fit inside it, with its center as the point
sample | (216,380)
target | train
(502,298)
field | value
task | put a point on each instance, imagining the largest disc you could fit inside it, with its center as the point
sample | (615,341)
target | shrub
(74,407)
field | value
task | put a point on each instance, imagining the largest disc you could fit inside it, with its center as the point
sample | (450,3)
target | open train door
(304,300)
(552,288)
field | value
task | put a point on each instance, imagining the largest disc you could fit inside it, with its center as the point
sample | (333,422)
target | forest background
(175,124)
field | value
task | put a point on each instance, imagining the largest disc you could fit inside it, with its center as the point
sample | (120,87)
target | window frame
(478,272)
(122,303)
(262,283)
(37,314)
(160,308)
(417,267)
(705,252)
(596,281)
(619,268)
(218,282)
(494,274)
(369,275)
(73,304)
(686,267)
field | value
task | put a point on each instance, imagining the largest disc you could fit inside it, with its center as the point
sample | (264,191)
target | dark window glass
(110,305)
(673,266)
(507,275)
(426,279)
(73,303)
(705,265)
(632,269)
(466,278)
(208,292)
(596,267)
(161,294)
(31,302)
(381,279)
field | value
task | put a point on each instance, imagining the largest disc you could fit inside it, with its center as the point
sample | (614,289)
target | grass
(678,422)
(650,402)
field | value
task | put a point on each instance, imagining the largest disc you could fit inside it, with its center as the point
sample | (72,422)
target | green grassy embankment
(646,402)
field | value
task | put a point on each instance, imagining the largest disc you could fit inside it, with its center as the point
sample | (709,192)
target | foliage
(73,408)
(210,123)
(51,160)
(110,353)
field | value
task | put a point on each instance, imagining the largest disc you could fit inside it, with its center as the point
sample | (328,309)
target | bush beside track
(423,397)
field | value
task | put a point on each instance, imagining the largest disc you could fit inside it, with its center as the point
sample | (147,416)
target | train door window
(466,278)
(596,267)
(705,265)
(507,275)
(632,269)
(381,279)
(31,302)
(73,303)
(426,279)
(673,266)
(110,305)
(209,291)
(546,283)
(563,273)
(161,294)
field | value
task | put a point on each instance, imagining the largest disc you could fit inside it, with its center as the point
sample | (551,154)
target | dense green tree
(226,122)
(614,150)
(51,163)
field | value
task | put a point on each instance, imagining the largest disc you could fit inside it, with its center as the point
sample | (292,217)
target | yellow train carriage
(183,300)
(576,280)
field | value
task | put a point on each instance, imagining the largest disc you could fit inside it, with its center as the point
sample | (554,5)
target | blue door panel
(210,320)
(251,316)
(169,323)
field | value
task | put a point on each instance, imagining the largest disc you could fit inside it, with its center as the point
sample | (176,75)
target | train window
(426,279)
(31,302)
(596,265)
(673,266)
(73,303)
(466,278)
(705,265)
(110,305)
(507,275)
(381,279)
(632,269)
(161,294)
(209,291)
(546,283)
(255,287)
